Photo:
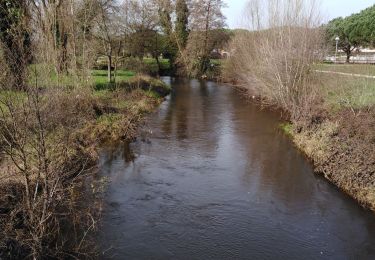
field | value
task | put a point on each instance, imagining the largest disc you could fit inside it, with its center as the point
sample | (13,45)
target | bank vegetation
(331,116)
(56,109)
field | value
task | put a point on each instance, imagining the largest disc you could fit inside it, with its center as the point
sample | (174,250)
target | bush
(274,60)
(43,160)
(146,83)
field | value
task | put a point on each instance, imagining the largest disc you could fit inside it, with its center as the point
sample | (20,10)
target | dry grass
(341,146)
(316,142)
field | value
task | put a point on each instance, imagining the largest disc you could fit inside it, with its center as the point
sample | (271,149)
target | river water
(212,177)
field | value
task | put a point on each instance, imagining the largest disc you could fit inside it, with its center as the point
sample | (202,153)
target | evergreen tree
(182,20)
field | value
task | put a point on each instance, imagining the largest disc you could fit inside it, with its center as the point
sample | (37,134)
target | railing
(359,59)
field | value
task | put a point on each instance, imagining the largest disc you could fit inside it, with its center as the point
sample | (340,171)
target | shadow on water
(217,180)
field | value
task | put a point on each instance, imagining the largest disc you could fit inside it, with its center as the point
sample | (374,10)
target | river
(212,177)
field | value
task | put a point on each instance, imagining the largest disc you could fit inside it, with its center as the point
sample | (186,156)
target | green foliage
(362,26)
(153,67)
(144,41)
(182,20)
(342,28)
(354,31)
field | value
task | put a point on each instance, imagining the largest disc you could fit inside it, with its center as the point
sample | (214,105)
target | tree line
(70,35)
(354,31)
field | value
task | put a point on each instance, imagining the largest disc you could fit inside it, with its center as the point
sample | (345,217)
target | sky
(330,9)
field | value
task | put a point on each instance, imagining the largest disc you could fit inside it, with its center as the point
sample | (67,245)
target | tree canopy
(357,30)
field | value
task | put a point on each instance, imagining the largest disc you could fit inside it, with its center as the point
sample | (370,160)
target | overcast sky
(330,9)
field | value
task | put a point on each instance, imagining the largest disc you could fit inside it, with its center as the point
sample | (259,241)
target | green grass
(152,94)
(122,104)
(100,78)
(150,62)
(45,76)
(164,63)
(363,69)
(287,128)
(348,92)
(217,62)
(15,97)
(108,119)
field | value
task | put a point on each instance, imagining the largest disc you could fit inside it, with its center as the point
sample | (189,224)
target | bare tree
(274,58)
(143,26)
(205,17)
(38,142)
(107,30)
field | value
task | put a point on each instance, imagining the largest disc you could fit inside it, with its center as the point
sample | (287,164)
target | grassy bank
(50,140)
(339,135)
(148,66)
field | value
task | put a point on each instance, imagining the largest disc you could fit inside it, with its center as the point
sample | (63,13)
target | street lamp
(337,47)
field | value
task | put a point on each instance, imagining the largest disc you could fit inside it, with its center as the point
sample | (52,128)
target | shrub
(274,59)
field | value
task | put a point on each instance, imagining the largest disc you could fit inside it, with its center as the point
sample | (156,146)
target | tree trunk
(203,63)
(158,63)
(109,68)
(348,55)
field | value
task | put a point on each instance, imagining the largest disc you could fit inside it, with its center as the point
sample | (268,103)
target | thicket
(274,58)
(50,130)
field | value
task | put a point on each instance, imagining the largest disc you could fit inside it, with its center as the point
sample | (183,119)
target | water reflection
(219,181)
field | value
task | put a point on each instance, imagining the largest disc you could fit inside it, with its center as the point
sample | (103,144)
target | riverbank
(230,185)
(55,134)
(334,124)
(341,147)
(338,135)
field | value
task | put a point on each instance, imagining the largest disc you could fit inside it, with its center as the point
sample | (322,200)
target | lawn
(101,76)
(45,76)
(363,69)
(345,91)
(164,63)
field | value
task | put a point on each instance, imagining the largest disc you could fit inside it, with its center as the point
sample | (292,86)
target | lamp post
(337,47)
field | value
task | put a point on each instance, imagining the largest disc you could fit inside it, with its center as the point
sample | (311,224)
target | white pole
(337,48)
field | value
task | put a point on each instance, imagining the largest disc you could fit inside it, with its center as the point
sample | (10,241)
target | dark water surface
(215,179)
